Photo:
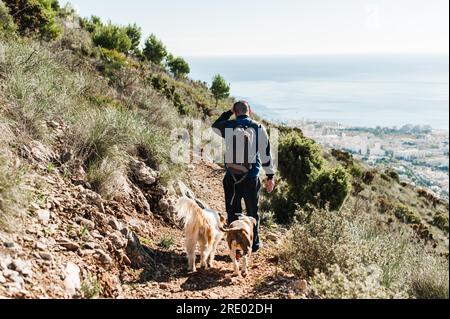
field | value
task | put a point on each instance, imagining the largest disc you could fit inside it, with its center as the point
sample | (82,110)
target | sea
(353,90)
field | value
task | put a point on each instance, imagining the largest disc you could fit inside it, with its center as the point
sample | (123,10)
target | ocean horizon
(389,90)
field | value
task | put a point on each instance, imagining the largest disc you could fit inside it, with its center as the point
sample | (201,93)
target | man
(244,183)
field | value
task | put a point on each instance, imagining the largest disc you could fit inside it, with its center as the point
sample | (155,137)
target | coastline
(419,154)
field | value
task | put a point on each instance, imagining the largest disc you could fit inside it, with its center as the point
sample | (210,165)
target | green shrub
(154,50)
(166,242)
(407,215)
(356,171)
(347,246)
(33,16)
(112,37)
(440,220)
(356,283)
(393,175)
(300,160)
(220,89)
(331,188)
(134,33)
(178,66)
(7,25)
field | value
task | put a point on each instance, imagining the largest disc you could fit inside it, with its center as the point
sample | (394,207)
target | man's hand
(270,185)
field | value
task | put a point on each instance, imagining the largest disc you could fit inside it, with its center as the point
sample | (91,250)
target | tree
(178,66)
(112,37)
(220,89)
(134,33)
(33,16)
(154,50)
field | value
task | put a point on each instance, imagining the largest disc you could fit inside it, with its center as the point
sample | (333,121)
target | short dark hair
(241,107)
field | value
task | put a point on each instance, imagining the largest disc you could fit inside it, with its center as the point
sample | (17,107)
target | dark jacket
(224,122)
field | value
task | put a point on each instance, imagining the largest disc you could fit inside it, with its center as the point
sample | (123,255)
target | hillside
(87,185)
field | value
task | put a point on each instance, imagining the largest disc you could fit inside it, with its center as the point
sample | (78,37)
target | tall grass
(339,251)
(39,87)
(14,194)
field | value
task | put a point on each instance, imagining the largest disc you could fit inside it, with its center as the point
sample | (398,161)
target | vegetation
(35,16)
(309,180)
(350,254)
(355,233)
(154,50)
(178,66)
(7,25)
(220,89)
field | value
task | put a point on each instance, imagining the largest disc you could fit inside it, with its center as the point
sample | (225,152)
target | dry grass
(340,249)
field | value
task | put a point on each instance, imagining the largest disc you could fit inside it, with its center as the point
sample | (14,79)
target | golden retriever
(202,226)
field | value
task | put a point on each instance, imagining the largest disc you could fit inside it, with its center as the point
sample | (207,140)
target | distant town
(418,153)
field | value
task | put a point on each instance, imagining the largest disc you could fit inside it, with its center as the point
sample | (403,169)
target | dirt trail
(170,279)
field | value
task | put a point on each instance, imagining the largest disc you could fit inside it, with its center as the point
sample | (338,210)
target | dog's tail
(188,210)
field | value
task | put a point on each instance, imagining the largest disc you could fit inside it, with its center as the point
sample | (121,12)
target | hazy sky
(232,27)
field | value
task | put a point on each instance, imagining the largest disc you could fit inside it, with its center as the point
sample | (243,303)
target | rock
(5,261)
(20,266)
(104,257)
(115,224)
(141,203)
(78,174)
(163,286)
(38,151)
(69,245)
(214,296)
(95,234)
(40,245)
(15,277)
(66,156)
(143,173)
(2,279)
(27,238)
(72,281)
(43,216)
(301,285)
(117,240)
(9,244)
(45,255)
(182,190)
(135,252)
(90,225)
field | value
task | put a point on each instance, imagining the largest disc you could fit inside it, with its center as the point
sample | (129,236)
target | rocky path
(75,244)
(170,279)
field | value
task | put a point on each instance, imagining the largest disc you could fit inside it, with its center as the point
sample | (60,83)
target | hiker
(247,152)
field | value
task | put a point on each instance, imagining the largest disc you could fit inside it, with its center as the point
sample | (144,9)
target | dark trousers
(249,190)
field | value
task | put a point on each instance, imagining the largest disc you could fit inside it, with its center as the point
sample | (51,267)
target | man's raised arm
(221,123)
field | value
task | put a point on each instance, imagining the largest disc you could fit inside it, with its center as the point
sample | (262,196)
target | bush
(341,250)
(220,89)
(300,160)
(178,66)
(112,37)
(407,215)
(356,171)
(134,33)
(393,175)
(440,220)
(154,50)
(357,283)
(33,16)
(7,25)
(331,188)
